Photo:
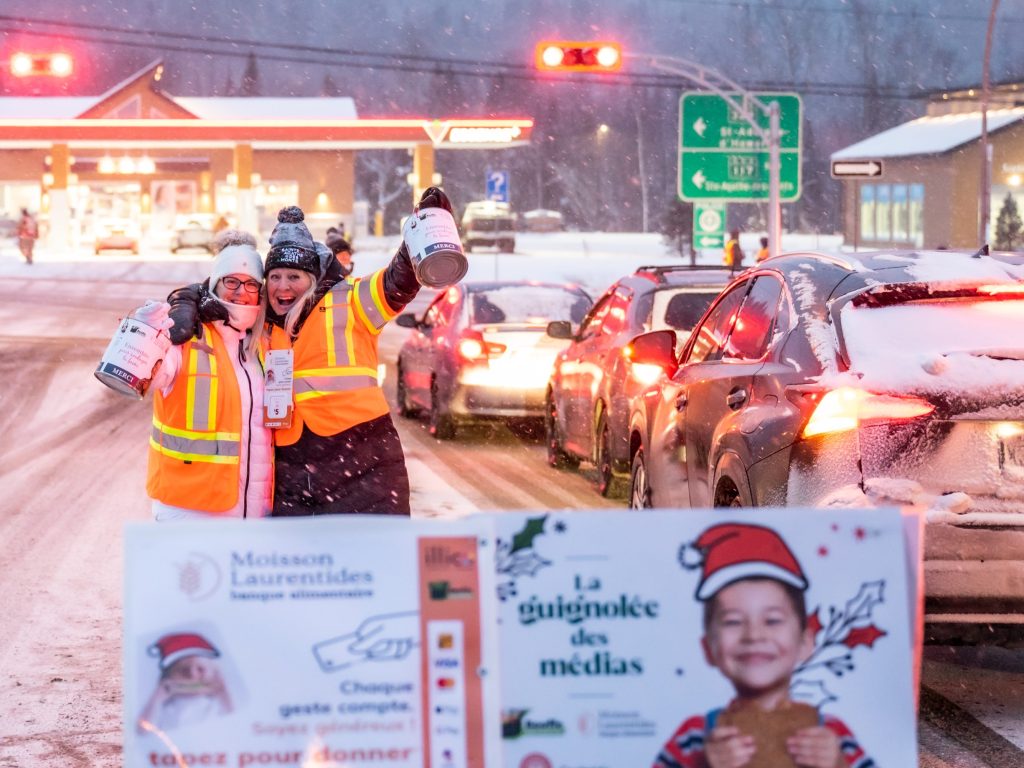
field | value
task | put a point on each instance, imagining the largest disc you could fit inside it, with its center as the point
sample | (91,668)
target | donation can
(434,248)
(132,354)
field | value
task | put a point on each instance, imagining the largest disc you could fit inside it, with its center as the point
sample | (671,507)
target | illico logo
(199,576)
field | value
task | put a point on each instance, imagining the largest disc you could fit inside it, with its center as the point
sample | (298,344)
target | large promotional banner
(309,642)
(671,639)
(657,638)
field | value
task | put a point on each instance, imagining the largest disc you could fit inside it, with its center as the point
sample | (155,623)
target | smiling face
(756,639)
(285,286)
(245,289)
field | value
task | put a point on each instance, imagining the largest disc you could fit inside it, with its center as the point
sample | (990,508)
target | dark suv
(593,381)
(856,380)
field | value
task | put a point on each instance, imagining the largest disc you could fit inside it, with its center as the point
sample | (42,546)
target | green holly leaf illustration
(524,539)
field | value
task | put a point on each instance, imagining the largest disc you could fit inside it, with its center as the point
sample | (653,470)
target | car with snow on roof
(857,380)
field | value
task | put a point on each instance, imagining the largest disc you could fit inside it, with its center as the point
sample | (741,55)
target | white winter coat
(256,469)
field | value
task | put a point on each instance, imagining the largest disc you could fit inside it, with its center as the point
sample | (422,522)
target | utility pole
(986,148)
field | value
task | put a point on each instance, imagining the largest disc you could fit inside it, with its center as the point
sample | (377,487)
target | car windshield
(529,304)
(971,345)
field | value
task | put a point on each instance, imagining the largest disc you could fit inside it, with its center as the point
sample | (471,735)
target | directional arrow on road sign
(861,169)
(700,126)
(698,179)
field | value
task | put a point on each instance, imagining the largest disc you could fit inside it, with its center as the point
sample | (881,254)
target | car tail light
(846,408)
(473,348)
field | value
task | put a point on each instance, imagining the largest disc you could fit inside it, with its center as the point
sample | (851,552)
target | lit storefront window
(883,213)
(867,212)
(915,214)
(899,213)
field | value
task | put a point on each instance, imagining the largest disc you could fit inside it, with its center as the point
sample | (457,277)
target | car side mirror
(408,320)
(655,348)
(560,329)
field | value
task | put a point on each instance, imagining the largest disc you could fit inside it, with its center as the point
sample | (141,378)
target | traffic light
(589,56)
(41,64)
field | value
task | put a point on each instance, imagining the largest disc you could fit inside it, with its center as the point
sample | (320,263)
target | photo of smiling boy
(756,634)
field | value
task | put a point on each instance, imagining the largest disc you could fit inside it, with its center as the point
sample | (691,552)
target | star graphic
(823,551)
(560,527)
(859,533)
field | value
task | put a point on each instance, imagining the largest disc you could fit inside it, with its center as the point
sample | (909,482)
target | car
(116,235)
(193,235)
(488,223)
(481,351)
(859,379)
(592,382)
(542,220)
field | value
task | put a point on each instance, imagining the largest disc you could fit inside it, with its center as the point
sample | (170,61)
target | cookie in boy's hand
(770,729)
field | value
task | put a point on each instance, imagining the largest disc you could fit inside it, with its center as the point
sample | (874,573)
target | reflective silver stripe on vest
(365,297)
(333,383)
(195,447)
(339,311)
(203,386)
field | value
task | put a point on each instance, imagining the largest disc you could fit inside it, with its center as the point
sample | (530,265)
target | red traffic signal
(589,56)
(42,64)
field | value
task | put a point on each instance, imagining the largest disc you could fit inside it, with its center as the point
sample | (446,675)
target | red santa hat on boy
(171,648)
(732,551)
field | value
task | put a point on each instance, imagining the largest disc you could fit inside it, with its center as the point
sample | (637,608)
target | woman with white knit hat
(209,453)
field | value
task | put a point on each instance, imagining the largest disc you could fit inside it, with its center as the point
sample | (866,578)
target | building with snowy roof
(137,155)
(928,181)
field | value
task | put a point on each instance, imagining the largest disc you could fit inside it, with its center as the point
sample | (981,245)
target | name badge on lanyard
(277,390)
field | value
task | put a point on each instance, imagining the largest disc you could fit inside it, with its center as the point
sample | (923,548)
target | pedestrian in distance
(756,633)
(341,248)
(28,233)
(210,454)
(762,254)
(340,453)
(733,258)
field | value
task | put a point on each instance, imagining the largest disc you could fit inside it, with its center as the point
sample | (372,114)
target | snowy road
(73,468)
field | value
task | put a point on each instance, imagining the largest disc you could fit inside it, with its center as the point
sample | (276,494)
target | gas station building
(140,157)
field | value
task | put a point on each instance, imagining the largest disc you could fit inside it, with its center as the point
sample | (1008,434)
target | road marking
(959,725)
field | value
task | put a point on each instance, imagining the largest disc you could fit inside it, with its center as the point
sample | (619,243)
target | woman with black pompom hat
(341,454)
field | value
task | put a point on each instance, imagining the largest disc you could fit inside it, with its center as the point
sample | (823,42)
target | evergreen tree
(1008,225)
(677,227)
(250,84)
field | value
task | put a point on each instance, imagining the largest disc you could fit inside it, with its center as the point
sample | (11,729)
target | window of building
(867,212)
(883,213)
(915,214)
(900,232)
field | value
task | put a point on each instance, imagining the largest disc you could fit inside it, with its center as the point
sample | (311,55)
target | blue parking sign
(497,186)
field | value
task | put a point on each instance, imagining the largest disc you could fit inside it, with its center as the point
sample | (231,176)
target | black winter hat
(291,244)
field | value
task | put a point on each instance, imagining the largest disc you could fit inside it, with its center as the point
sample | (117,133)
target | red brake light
(474,349)
(847,408)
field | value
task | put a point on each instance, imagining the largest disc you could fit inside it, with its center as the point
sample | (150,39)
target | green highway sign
(709,225)
(720,156)
(736,176)
(708,122)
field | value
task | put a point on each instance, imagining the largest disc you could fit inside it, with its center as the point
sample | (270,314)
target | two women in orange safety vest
(341,454)
(209,451)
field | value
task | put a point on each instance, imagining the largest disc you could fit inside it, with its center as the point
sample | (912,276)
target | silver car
(481,351)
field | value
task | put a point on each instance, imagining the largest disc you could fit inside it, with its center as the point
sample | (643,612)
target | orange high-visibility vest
(195,445)
(335,363)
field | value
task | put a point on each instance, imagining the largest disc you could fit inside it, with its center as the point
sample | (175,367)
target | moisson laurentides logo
(515,723)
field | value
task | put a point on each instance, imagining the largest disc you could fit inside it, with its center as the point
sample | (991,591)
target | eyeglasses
(233,283)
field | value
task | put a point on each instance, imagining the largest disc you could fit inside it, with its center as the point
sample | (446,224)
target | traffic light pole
(747,106)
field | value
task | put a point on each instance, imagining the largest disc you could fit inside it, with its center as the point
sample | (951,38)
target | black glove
(190,306)
(400,283)
(433,197)
(210,307)
(184,312)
